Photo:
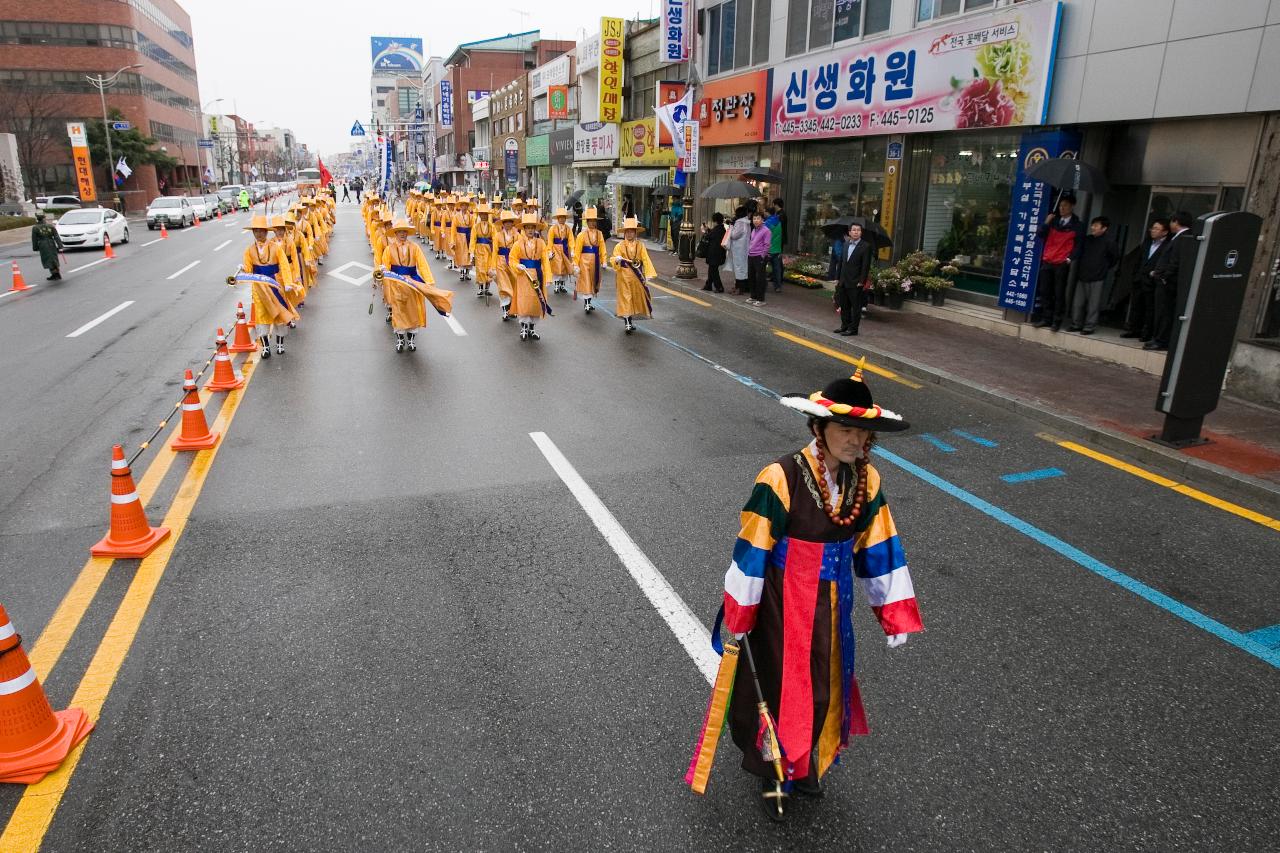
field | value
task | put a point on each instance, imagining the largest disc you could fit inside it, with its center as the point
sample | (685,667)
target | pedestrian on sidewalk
(45,240)
(1098,256)
(715,255)
(821,514)
(851,282)
(758,259)
(675,216)
(1173,278)
(739,238)
(1063,236)
(1142,302)
(774,224)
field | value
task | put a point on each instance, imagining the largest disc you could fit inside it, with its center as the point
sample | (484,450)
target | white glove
(896,640)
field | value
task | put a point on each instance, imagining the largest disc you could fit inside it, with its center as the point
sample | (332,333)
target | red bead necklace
(860,490)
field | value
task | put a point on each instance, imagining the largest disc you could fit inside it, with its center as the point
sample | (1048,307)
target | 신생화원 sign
(986,71)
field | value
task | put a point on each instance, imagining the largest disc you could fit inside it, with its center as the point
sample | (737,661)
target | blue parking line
(1244,642)
(1038,474)
(1269,637)
(937,442)
(976,439)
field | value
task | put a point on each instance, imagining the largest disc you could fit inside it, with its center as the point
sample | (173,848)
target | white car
(172,210)
(88,226)
(44,201)
(200,207)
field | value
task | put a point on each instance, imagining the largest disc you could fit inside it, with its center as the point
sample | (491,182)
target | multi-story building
(473,70)
(509,115)
(553,106)
(48,49)
(924,114)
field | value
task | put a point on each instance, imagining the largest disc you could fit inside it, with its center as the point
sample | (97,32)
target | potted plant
(887,282)
(936,285)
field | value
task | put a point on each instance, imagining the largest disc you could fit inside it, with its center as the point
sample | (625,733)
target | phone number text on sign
(916,117)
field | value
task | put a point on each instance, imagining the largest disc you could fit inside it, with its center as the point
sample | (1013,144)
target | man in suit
(1142,317)
(855,267)
(1173,278)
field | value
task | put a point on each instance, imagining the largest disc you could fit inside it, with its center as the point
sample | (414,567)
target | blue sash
(484,241)
(404,269)
(464,230)
(267,269)
(562,242)
(535,264)
(504,251)
(268,273)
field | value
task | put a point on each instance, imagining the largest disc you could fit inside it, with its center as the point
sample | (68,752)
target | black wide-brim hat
(847,402)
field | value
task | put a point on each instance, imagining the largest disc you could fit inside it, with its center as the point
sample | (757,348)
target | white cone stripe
(22,682)
(192,407)
(124,499)
(7,630)
(117,464)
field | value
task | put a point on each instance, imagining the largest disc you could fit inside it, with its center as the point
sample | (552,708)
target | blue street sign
(357,129)
(205,143)
(121,125)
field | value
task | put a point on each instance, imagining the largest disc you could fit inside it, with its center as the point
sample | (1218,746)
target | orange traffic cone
(18,282)
(107,251)
(195,433)
(253,315)
(243,341)
(219,214)
(197,220)
(224,375)
(130,536)
(34,739)
(164,232)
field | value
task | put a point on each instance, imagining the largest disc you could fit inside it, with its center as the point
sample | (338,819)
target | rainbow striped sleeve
(764,521)
(881,567)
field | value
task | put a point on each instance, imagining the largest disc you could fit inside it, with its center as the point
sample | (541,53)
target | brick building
(46,51)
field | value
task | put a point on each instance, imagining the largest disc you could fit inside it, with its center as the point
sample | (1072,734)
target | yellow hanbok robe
(271,306)
(633,297)
(461,246)
(408,302)
(560,239)
(530,280)
(503,240)
(590,252)
(483,252)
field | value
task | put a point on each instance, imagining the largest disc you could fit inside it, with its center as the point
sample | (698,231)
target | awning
(637,177)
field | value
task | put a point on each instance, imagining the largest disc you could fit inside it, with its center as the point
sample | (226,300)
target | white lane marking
(11,292)
(184,269)
(96,320)
(222,245)
(340,273)
(151,242)
(691,633)
(86,266)
(455,325)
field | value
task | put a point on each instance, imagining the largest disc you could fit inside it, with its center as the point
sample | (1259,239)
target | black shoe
(1086,331)
(839,331)
(1154,345)
(1043,324)
(773,801)
(1057,327)
(1145,339)
(1129,335)
(810,786)
(708,288)
(719,290)
(1073,328)
(848,333)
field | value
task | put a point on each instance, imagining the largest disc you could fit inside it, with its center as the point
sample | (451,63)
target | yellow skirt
(589,273)
(526,302)
(484,263)
(631,301)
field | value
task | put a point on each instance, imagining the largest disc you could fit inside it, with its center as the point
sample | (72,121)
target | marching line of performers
(514,249)
(284,259)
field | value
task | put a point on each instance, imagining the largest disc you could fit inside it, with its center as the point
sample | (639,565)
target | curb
(1170,462)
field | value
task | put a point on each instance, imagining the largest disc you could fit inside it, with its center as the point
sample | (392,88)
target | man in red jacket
(1063,236)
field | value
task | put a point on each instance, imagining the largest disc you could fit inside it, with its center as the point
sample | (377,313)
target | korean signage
(987,71)
(639,145)
(446,104)
(692,142)
(474,95)
(537,150)
(889,203)
(396,54)
(677,30)
(595,140)
(80,161)
(1032,202)
(588,54)
(668,92)
(511,159)
(554,73)
(611,44)
(557,102)
(732,111)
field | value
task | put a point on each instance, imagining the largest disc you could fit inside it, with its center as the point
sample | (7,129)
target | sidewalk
(1083,397)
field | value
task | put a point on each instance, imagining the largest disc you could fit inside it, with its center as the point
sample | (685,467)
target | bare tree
(32,117)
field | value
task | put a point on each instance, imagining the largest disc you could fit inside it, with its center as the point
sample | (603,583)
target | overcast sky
(305,65)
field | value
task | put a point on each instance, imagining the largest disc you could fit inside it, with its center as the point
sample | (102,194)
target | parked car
(173,210)
(43,201)
(217,204)
(230,193)
(200,206)
(88,226)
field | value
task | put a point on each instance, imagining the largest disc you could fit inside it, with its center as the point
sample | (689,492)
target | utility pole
(102,84)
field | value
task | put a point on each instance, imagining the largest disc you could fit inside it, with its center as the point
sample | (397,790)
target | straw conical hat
(258,222)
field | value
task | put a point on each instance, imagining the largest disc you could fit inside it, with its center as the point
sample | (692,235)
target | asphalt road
(390,625)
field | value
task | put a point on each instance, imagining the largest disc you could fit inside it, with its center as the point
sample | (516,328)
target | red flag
(326,176)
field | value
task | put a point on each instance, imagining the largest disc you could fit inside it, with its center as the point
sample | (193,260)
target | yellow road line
(35,810)
(695,300)
(870,368)
(1174,485)
(53,640)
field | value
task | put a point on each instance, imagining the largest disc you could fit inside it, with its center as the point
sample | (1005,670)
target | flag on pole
(326,176)
(673,116)
(123,168)
(254,171)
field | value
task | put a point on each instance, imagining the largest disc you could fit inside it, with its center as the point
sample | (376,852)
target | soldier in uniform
(45,240)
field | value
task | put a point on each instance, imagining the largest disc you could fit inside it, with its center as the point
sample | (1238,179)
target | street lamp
(198,114)
(104,83)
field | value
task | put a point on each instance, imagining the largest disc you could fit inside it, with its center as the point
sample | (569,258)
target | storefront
(537,158)
(644,166)
(595,153)
(561,157)
(731,118)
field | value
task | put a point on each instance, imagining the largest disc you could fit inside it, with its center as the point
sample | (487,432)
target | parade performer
(503,240)
(273,281)
(444,246)
(562,255)
(297,295)
(531,269)
(632,270)
(298,253)
(589,250)
(424,216)
(462,223)
(45,240)
(816,527)
(482,233)
(437,224)
(409,286)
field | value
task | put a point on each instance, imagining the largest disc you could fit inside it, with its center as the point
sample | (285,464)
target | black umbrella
(668,190)
(762,173)
(1068,175)
(576,195)
(871,230)
(730,189)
